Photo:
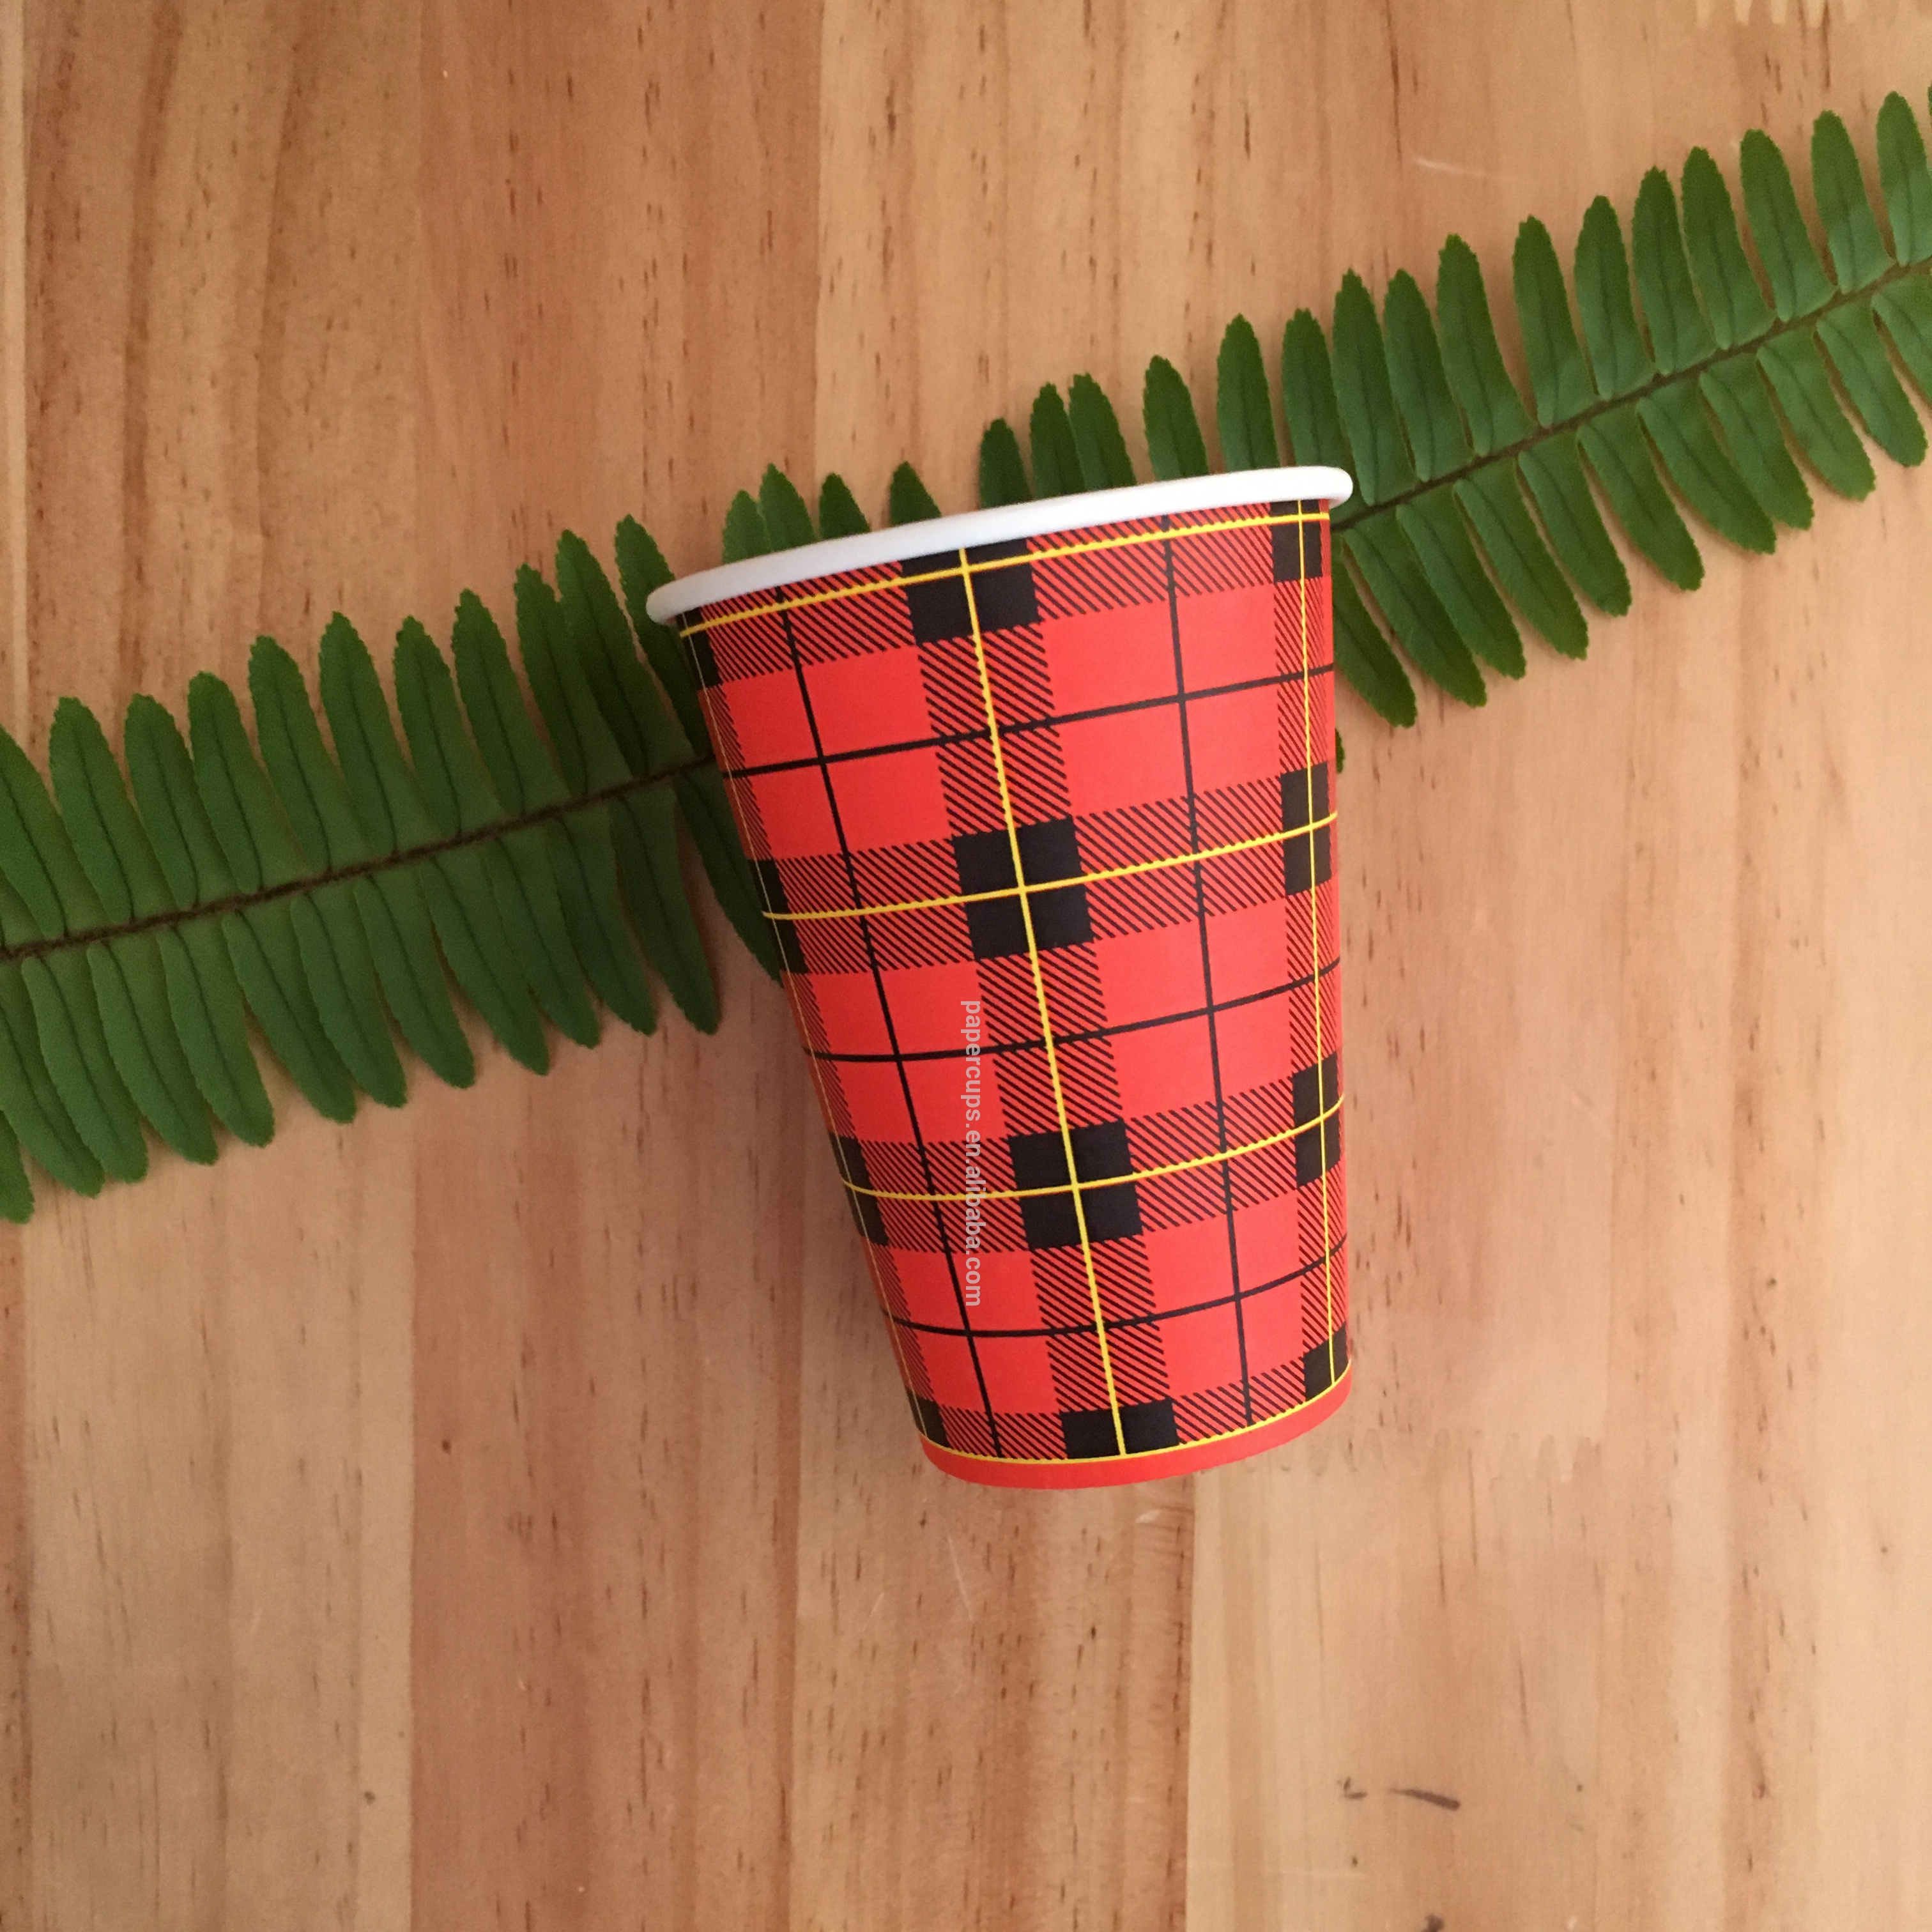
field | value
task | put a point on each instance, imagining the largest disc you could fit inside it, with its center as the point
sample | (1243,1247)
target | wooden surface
(502,1513)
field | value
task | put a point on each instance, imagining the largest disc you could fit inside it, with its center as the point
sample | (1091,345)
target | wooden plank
(15,1546)
(618,220)
(991,1692)
(1596,1548)
(217,1381)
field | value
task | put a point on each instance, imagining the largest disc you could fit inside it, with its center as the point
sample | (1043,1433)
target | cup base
(1149,1464)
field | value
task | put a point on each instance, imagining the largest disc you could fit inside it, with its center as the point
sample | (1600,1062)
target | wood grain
(1597,1549)
(502,1511)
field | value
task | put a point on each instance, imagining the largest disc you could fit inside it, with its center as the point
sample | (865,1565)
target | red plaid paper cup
(1040,801)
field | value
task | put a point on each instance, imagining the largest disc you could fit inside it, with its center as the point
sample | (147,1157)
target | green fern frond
(1175,444)
(1056,461)
(1098,448)
(1670,386)
(839,514)
(909,500)
(338,887)
(787,521)
(1003,477)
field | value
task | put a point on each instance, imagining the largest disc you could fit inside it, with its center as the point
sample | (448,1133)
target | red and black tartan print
(1045,829)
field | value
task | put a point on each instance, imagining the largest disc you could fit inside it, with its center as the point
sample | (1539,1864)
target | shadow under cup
(1040,802)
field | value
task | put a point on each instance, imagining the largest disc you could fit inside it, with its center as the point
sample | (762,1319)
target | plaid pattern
(1073,792)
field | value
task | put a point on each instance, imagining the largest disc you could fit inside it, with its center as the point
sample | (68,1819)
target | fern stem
(392,861)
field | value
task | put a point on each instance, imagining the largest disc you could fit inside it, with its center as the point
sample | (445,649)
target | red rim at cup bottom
(1145,1465)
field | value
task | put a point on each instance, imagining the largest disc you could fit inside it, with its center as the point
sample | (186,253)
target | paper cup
(1040,801)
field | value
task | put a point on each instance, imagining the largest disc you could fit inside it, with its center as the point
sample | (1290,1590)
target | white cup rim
(1009,524)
